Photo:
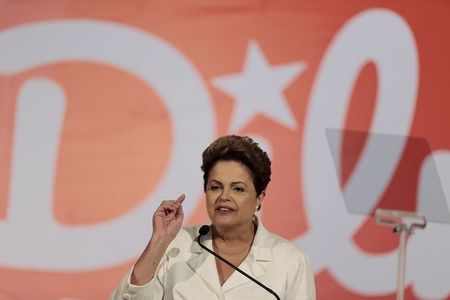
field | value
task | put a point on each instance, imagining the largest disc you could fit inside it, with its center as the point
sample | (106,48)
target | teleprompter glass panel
(387,171)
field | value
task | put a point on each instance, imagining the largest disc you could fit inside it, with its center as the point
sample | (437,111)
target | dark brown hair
(241,149)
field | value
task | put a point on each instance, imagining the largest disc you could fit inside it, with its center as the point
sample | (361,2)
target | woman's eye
(239,189)
(214,187)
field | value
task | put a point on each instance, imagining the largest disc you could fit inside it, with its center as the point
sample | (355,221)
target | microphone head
(204,230)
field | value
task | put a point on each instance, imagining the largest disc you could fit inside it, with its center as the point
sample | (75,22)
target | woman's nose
(225,195)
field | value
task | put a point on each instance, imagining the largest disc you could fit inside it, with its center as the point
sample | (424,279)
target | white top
(189,272)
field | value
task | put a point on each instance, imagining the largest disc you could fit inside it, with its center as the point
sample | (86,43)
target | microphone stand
(202,232)
(403,223)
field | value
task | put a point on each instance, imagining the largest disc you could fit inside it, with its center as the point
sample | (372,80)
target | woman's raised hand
(167,222)
(168,218)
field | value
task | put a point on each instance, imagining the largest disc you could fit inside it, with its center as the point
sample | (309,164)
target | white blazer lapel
(204,265)
(255,265)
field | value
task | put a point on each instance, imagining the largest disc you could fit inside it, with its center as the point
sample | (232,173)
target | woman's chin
(224,220)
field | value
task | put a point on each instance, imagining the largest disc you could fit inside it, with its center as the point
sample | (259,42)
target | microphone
(203,231)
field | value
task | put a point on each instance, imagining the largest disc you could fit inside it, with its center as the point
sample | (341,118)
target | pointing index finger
(181,198)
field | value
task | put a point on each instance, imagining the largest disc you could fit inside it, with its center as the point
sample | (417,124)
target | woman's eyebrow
(215,181)
(238,182)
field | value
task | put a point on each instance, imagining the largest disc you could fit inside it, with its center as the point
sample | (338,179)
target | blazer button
(126,297)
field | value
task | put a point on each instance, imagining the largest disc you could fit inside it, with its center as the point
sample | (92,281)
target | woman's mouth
(224,209)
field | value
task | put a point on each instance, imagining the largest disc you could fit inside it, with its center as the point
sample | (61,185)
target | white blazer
(189,272)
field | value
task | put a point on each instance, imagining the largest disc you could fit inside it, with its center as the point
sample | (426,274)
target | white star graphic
(259,89)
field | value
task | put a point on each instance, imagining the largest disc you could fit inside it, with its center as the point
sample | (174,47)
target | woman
(174,266)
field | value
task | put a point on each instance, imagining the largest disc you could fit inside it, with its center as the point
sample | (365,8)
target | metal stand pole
(404,233)
(403,223)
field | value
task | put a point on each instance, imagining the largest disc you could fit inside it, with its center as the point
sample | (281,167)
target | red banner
(106,106)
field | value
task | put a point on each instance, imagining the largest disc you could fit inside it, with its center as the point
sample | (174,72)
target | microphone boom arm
(237,269)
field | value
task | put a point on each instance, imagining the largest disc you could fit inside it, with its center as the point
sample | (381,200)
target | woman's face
(230,195)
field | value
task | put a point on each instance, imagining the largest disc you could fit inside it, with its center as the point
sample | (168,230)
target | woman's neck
(239,235)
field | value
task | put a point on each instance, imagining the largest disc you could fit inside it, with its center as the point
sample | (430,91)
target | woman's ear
(259,200)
